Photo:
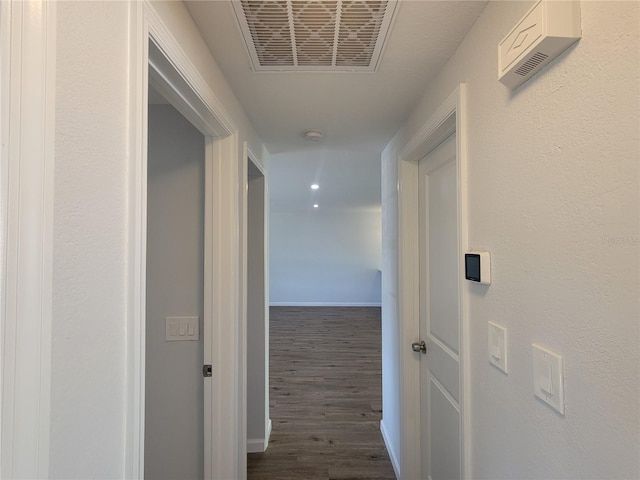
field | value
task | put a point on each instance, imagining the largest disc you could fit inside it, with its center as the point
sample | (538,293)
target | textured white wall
(325,257)
(89,393)
(90,230)
(553,194)
(391,348)
(174,414)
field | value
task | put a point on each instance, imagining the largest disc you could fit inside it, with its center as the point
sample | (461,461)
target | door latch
(207,371)
(419,347)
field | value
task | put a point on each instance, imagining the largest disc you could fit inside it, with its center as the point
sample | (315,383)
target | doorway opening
(161,62)
(449,392)
(257,326)
(174,387)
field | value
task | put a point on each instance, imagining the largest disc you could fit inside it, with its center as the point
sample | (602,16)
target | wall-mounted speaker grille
(546,30)
(311,35)
(535,60)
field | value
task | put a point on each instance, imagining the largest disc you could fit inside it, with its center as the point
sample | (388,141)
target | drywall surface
(391,347)
(174,415)
(325,257)
(553,189)
(92,412)
(88,371)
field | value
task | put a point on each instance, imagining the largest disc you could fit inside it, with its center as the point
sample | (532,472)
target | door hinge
(207,371)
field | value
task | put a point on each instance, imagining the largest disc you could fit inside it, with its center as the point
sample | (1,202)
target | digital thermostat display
(477,267)
(472,266)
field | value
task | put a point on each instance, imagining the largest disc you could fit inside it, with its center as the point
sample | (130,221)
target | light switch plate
(548,377)
(498,346)
(182,329)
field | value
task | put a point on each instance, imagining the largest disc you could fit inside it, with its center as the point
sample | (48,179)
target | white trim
(134,446)
(269,428)
(28,157)
(392,453)
(158,58)
(257,161)
(259,445)
(197,98)
(256,445)
(243,172)
(451,116)
(325,304)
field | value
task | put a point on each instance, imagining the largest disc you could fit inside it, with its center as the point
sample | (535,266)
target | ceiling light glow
(315,205)
(315,186)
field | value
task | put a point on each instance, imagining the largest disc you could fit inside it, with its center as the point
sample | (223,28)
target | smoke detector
(315,35)
(546,30)
(313,135)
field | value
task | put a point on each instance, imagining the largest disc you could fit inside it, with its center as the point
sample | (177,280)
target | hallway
(325,395)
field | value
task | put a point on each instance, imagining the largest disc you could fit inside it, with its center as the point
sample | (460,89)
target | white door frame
(157,58)
(450,117)
(249,155)
(27,130)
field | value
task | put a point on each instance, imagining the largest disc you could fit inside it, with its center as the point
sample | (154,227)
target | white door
(440,314)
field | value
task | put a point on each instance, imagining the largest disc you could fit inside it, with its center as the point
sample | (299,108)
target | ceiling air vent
(315,35)
(546,31)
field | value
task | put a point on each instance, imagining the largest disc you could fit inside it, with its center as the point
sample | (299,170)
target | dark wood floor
(325,389)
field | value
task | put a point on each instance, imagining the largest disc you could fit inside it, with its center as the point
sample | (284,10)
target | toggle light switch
(498,346)
(548,377)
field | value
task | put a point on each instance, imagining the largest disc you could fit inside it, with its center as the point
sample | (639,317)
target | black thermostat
(477,267)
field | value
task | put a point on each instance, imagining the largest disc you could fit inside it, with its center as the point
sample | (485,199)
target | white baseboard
(390,450)
(259,445)
(324,304)
(266,440)
(255,445)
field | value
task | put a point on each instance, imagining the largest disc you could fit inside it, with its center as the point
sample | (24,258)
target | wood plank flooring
(325,396)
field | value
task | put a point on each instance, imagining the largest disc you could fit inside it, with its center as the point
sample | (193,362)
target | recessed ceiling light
(315,205)
(315,186)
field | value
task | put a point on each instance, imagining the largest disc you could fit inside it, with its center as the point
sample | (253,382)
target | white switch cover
(182,328)
(548,377)
(498,346)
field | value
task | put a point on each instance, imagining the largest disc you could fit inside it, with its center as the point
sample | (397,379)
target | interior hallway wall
(174,423)
(322,257)
(89,350)
(92,371)
(553,188)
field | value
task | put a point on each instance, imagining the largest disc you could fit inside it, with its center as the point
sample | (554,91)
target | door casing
(249,332)
(450,117)
(27,164)
(158,59)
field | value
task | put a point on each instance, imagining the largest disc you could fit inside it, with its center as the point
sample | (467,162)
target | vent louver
(314,35)
(527,67)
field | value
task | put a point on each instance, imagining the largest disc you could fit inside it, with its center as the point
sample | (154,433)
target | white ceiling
(348,180)
(358,112)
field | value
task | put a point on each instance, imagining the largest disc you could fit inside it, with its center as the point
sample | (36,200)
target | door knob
(419,347)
